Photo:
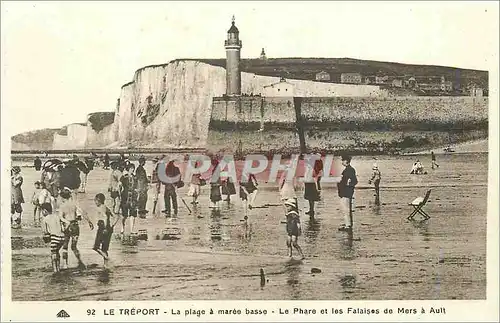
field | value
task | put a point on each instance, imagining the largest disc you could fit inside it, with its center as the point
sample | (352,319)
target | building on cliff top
(281,88)
(351,78)
(323,76)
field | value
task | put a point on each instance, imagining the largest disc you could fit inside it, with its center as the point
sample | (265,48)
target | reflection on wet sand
(348,283)
(347,250)
(184,256)
(293,268)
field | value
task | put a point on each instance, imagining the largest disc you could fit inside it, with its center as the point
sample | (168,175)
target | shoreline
(473,146)
(468,147)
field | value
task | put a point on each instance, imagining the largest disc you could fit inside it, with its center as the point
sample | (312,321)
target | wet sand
(388,257)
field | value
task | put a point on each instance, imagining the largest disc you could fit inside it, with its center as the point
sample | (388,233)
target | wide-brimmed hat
(293,212)
(16,169)
(155,159)
(291,202)
(346,158)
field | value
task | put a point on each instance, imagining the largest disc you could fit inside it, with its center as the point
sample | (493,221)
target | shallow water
(387,257)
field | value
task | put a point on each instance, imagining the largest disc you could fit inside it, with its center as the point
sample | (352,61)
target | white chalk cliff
(170,106)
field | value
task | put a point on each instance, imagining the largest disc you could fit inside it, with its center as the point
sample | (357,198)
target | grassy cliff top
(35,136)
(303,68)
(306,69)
(99,120)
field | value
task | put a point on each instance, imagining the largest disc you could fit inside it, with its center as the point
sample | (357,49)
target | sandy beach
(388,257)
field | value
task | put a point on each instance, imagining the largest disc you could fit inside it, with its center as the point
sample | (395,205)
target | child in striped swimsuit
(52,225)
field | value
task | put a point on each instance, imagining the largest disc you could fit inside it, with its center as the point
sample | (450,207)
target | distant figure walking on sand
(228,188)
(311,191)
(215,191)
(89,163)
(318,170)
(37,163)
(128,197)
(346,192)
(142,186)
(248,191)
(156,182)
(195,185)
(375,179)
(17,198)
(170,195)
(106,161)
(433,157)
(287,185)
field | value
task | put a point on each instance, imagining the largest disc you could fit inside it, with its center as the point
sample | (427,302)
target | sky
(63,60)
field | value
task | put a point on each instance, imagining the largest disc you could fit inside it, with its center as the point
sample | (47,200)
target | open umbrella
(51,164)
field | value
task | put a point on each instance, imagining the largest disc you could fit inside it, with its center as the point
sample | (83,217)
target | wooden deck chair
(418,204)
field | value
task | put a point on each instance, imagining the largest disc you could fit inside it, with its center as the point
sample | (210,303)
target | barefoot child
(73,213)
(104,228)
(293,228)
(52,226)
(375,179)
(36,205)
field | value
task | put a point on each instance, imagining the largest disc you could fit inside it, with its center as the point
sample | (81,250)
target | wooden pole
(299,123)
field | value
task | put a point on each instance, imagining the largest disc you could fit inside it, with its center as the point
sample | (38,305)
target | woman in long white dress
(287,187)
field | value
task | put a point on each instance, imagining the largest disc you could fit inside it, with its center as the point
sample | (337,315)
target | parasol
(51,164)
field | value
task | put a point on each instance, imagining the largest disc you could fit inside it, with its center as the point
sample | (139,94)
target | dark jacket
(348,182)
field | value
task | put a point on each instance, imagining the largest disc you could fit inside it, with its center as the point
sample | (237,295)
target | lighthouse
(233,73)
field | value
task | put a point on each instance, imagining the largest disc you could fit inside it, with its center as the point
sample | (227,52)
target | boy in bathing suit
(71,212)
(104,228)
(52,225)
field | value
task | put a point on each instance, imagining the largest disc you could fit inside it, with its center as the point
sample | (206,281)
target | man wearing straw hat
(375,179)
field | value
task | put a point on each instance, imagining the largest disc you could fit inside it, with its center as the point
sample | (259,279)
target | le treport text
(281,311)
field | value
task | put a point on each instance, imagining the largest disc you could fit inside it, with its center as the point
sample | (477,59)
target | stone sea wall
(346,123)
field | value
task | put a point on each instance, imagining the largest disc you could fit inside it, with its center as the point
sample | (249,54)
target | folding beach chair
(418,204)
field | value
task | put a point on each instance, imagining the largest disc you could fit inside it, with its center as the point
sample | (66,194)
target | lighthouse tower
(233,73)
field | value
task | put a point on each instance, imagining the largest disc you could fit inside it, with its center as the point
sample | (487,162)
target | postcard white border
(464,311)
